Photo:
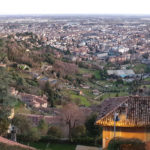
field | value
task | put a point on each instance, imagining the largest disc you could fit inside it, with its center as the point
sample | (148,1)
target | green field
(48,146)
(83,71)
(110,95)
(139,68)
(147,79)
(93,72)
(74,97)
(83,100)
(97,74)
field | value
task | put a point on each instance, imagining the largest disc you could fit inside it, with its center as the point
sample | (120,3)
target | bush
(32,136)
(25,130)
(54,132)
(49,59)
(43,127)
(78,131)
(80,140)
(126,144)
(98,140)
(84,141)
(92,129)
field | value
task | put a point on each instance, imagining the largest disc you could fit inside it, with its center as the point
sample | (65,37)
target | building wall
(124,132)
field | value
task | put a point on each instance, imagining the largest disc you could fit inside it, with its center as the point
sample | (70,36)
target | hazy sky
(74,6)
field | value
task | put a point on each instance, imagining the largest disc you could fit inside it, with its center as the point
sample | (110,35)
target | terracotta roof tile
(9,142)
(109,105)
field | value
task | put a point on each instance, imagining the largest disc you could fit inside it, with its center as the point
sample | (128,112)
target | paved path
(81,147)
(99,96)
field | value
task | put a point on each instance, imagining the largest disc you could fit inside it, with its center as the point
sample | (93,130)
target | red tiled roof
(109,105)
(12,143)
(135,108)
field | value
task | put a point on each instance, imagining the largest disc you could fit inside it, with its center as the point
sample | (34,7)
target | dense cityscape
(79,80)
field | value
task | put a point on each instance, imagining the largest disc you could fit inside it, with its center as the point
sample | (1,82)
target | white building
(123,50)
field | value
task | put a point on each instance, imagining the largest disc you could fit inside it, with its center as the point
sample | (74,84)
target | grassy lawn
(147,79)
(110,95)
(93,72)
(47,146)
(20,108)
(79,99)
(97,74)
(83,100)
(147,86)
(83,71)
(138,68)
(88,93)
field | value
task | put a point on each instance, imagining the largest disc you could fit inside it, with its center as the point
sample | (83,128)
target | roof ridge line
(116,107)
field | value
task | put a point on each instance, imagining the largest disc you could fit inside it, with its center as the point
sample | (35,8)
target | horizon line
(76,14)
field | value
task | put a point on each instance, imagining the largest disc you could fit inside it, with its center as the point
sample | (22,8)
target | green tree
(50,93)
(103,74)
(43,127)
(20,81)
(92,129)
(4,120)
(7,102)
(79,131)
(54,131)
(145,56)
(33,134)
(25,128)
(67,52)
(147,69)
(49,59)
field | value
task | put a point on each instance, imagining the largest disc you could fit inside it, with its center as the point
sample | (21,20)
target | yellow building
(134,118)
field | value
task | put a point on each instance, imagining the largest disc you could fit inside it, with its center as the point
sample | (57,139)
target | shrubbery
(126,144)
(79,131)
(88,141)
(42,127)
(92,129)
(54,132)
(25,130)
(80,140)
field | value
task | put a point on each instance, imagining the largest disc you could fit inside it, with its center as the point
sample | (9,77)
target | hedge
(126,144)
(81,140)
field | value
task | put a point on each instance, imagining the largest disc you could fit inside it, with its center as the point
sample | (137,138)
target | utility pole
(116,118)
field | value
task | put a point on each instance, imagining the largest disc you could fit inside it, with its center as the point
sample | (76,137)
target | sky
(11,7)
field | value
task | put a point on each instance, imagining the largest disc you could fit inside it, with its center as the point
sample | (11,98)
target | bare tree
(64,68)
(72,116)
